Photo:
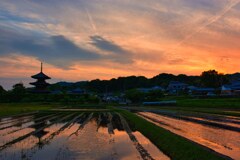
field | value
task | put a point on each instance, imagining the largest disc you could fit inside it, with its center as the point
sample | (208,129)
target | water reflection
(152,149)
(223,141)
(72,136)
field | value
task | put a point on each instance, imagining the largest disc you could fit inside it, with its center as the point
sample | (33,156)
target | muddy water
(71,136)
(221,140)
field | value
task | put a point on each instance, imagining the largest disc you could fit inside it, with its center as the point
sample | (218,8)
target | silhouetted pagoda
(40,84)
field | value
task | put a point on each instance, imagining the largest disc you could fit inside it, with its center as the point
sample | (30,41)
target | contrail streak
(212,20)
(215,18)
(91,21)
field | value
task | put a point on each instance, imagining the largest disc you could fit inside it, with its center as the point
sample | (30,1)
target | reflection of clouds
(9,137)
(123,147)
(152,149)
(214,138)
(52,149)
(90,144)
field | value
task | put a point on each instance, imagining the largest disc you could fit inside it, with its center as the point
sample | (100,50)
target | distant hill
(66,86)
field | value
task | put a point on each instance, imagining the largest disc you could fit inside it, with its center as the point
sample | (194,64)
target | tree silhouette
(213,79)
(2,90)
(18,92)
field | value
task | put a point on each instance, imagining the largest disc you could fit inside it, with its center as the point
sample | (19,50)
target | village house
(147,90)
(192,90)
(175,87)
(231,89)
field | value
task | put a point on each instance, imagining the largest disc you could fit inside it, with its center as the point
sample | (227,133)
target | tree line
(210,78)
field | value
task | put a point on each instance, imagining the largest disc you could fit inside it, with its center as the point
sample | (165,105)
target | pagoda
(40,84)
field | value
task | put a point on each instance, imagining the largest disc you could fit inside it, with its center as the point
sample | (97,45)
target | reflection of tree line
(105,120)
(17,123)
(38,132)
(72,117)
(36,121)
(41,122)
(108,120)
(101,119)
(5,120)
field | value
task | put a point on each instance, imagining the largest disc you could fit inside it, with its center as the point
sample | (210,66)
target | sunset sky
(89,39)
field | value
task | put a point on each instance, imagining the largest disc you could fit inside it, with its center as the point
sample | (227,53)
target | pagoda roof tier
(39,83)
(40,75)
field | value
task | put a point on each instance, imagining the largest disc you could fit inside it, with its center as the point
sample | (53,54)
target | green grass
(226,106)
(186,101)
(7,109)
(87,106)
(225,112)
(224,103)
(176,147)
(222,106)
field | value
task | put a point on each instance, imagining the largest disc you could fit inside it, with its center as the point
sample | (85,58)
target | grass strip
(7,109)
(225,103)
(215,111)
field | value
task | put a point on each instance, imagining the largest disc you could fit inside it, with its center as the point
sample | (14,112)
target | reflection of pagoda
(40,84)
(41,133)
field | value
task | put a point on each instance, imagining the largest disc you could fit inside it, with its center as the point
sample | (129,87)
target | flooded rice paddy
(219,133)
(63,135)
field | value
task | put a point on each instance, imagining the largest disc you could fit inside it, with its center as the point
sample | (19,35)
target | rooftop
(41,75)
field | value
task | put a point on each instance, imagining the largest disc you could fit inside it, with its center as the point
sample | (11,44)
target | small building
(226,90)
(235,86)
(202,91)
(175,87)
(40,84)
(231,89)
(147,90)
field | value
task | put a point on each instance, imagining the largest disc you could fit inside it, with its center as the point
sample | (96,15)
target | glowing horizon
(85,40)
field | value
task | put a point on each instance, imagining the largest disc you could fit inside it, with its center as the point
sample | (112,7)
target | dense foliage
(213,79)
(207,79)
(20,94)
(127,85)
(136,96)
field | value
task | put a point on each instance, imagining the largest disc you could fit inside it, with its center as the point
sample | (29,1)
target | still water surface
(72,136)
(224,141)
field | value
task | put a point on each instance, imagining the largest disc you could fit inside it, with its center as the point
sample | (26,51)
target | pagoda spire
(40,84)
(41,66)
